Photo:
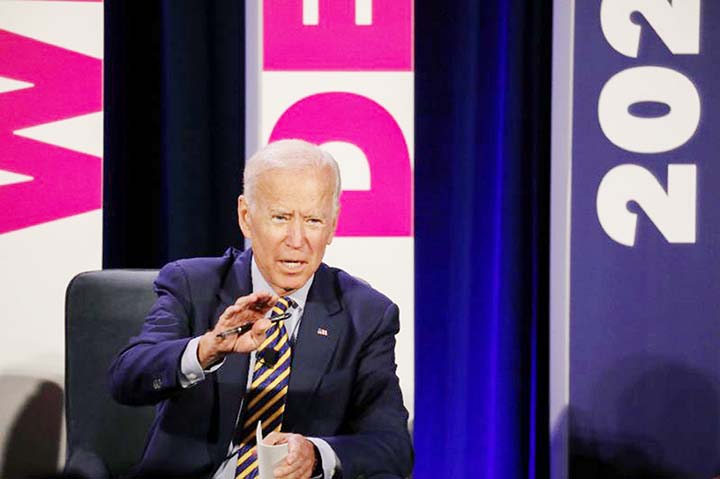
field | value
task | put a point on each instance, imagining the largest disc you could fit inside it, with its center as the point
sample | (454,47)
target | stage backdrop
(51,126)
(636,239)
(340,74)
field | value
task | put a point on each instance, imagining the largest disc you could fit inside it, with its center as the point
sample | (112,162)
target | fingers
(233,316)
(261,301)
(246,309)
(275,438)
(249,309)
(300,459)
(230,311)
(253,339)
(259,329)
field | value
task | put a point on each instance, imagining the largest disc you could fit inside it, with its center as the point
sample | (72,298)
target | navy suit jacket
(343,387)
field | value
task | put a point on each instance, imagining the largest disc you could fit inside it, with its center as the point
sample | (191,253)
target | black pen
(244,328)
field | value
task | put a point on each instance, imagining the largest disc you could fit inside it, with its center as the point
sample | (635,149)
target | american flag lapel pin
(322,332)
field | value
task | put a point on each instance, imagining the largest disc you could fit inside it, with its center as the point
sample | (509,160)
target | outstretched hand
(247,309)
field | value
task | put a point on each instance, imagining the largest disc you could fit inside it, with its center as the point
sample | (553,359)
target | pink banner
(337,42)
(65,84)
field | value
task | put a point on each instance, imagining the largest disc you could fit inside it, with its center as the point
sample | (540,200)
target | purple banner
(641,330)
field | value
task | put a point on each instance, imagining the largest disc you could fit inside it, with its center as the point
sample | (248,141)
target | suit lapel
(237,283)
(232,376)
(320,330)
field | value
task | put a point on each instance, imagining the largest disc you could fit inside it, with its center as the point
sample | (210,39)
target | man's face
(290,223)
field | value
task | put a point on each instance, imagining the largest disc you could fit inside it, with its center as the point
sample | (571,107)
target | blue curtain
(174,129)
(481,209)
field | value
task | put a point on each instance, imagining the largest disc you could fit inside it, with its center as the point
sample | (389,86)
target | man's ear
(243,211)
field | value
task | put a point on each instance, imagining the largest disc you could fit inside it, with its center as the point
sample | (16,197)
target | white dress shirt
(192,373)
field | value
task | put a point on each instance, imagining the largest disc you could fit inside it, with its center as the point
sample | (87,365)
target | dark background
(174,130)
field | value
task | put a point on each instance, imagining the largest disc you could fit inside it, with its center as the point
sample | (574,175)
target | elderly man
(318,370)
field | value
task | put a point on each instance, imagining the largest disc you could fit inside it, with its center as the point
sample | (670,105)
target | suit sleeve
(146,371)
(379,442)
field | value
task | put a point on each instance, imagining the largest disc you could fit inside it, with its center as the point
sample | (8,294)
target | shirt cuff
(191,372)
(328,457)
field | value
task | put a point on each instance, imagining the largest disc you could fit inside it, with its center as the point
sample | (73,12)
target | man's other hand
(299,462)
(247,309)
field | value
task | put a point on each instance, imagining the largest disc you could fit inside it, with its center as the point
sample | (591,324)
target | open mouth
(291,264)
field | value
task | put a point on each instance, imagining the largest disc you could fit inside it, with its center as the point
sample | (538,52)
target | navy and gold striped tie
(265,400)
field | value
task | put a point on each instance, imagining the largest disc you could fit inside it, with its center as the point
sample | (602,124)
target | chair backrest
(103,309)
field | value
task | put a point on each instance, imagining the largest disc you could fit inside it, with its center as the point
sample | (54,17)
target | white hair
(291,153)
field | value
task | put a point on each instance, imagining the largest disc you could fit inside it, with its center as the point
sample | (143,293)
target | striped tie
(265,400)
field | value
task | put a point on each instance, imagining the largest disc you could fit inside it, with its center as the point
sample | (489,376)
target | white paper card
(268,456)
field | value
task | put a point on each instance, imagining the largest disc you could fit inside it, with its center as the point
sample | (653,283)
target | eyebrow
(315,214)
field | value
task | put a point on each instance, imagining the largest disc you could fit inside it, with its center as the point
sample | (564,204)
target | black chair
(103,309)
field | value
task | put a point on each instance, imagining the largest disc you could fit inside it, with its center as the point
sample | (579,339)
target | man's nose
(295,233)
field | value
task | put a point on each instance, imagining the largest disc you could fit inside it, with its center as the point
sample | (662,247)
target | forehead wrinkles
(309,190)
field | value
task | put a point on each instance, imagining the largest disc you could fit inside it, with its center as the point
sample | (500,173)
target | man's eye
(279,218)
(314,221)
